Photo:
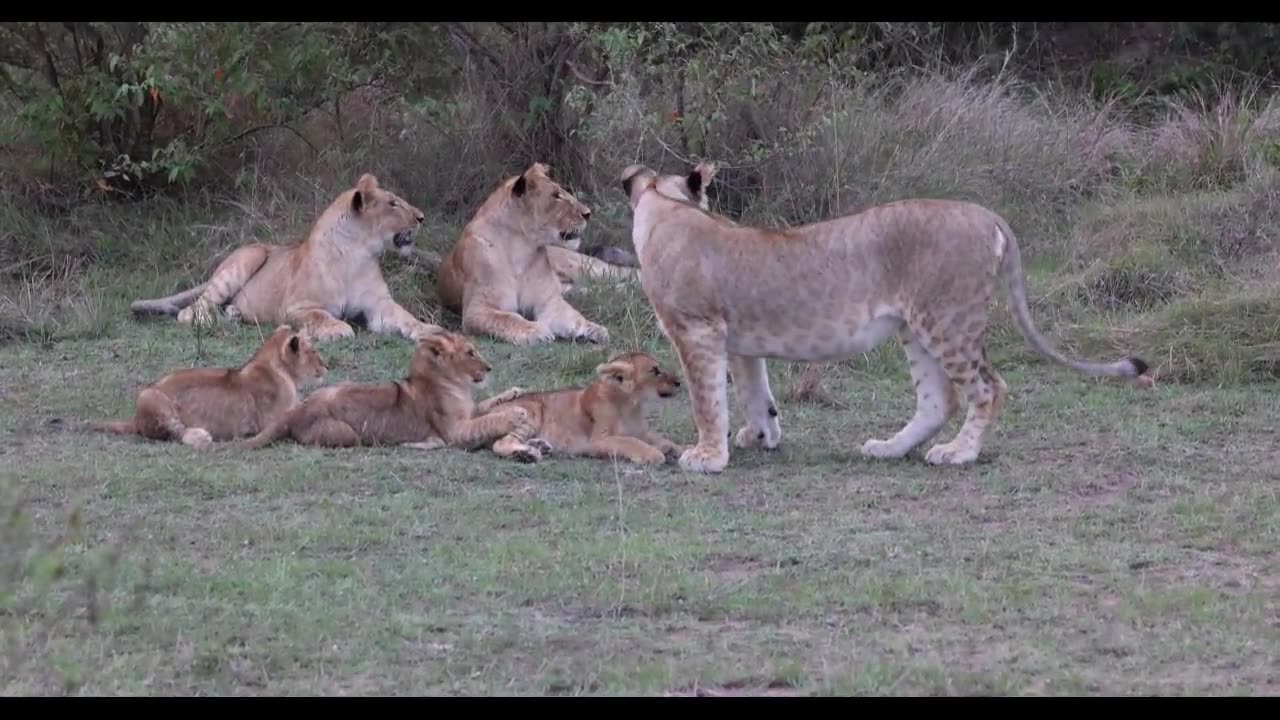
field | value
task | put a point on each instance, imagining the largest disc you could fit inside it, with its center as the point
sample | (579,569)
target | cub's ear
(614,371)
(295,344)
(435,343)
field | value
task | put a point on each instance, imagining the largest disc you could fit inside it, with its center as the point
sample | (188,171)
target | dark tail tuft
(1140,366)
(154,309)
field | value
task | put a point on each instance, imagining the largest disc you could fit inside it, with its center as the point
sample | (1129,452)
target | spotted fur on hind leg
(936,402)
(986,392)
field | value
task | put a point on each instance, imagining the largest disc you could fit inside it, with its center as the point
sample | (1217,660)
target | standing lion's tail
(1012,267)
(119,427)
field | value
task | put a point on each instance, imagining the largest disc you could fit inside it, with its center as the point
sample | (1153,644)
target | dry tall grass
(1115,216)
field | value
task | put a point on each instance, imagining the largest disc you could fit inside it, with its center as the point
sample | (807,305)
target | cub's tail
(119,427)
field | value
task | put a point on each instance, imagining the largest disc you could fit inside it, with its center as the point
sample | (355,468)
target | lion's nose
(421,217)
(586,214)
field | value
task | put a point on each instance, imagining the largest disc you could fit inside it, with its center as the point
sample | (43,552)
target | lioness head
(385,220)
(451,356)
(551,213)
(690,188)
(298,355)
(638,374)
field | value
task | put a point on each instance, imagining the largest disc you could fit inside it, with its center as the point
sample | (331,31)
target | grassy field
(1109,541)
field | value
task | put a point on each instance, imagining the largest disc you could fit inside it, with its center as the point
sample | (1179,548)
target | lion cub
(603,420)
(430,408)
(200,405)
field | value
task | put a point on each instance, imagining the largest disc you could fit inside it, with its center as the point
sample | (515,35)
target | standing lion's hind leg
(986,392)
(227,280)
(936,402)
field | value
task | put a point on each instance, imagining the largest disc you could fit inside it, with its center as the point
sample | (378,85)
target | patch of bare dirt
(741,567)
(1102,489)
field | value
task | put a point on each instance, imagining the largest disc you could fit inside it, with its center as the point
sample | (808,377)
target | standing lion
(921,270)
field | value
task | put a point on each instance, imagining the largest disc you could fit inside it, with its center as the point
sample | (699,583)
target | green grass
(1109,541)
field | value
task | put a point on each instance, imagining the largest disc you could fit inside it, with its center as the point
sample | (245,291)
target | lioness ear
(294,345)
(520,186)
(540,169)
(365,188)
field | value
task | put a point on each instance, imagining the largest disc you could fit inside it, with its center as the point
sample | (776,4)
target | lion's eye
(656,371)
(395,203)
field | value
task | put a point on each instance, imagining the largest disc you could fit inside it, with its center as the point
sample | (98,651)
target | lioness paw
(534,334)
(509,394)
(951,453)
(526,454)
(881,449)
(543,446)
(333,331)
(703,459)
(595,333)
(197,438)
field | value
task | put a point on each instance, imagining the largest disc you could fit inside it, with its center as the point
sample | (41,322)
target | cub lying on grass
(200,405)
(431,408)
(603,420)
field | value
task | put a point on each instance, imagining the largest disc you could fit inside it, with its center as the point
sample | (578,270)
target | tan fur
(499,271)
(316,285)
(923,270)
(572,266)
(430,408)
(603,420)
(198,406)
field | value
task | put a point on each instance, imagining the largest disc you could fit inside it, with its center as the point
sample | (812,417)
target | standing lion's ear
(700,178)
(520,186)
(694,182)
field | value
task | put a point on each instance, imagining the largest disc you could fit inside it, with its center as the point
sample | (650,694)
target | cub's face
(387,221)
(301,358)
(554,214)
(639,375)
(452,356)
